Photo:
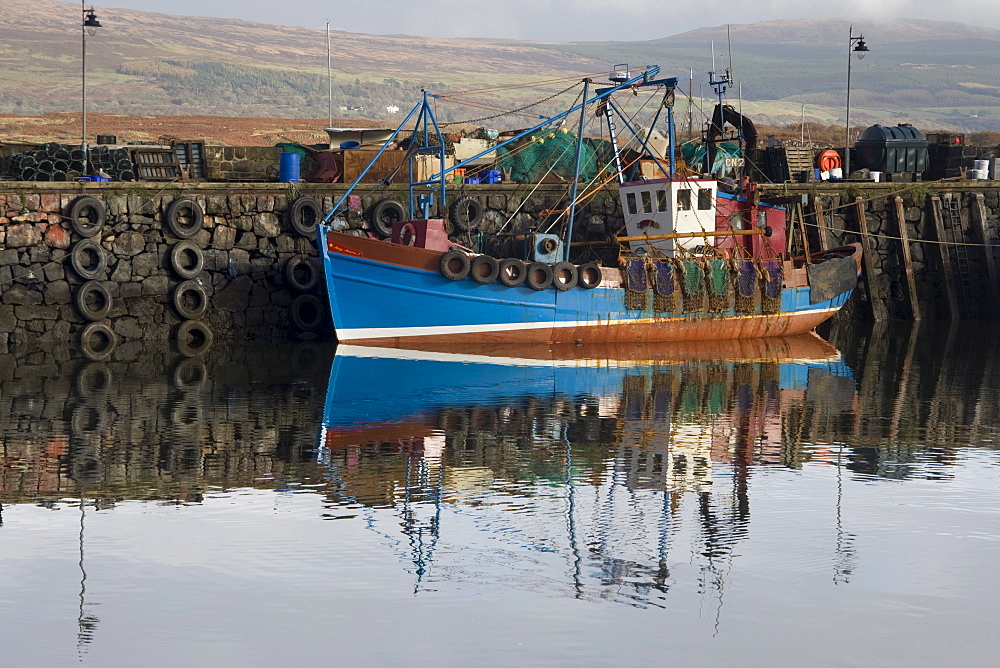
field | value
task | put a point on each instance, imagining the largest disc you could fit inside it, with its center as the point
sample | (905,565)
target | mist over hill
(933,74)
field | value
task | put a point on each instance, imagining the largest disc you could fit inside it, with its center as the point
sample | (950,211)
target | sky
(559,20)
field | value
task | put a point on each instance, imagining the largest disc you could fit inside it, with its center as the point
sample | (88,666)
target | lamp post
(89,26)
(861,49)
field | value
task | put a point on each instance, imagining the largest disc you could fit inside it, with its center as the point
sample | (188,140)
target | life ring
(97,341)
(303,215)
(187,259)
(589,275)
(84,295)
(512,272)
(93,380)
(564,276)
(484,269)
(88,259)
(408,235)
(455,265)
(828,159)
(187,292)
(538,276)
(384,214)
(87,216)
(465,213)
(184,218)
(193,338)
(306,312)
(301,273)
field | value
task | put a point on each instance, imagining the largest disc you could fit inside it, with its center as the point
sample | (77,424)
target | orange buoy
(828,159)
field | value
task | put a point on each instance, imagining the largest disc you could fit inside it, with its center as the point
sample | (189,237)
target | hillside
(934,74)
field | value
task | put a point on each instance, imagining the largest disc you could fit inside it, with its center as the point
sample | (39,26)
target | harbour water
(779,503)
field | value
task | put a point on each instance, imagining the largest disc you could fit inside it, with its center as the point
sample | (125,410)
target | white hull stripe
(389,332)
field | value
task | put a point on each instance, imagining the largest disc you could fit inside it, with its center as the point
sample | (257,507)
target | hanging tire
(190,375)
(303,215)
(384,214)
(93,301)
(301,273)
(538,276)
(455,265)
(306,312)
(184,218)
(88,259)
(97,341)
(484,269)
(187,259)
(193,338)
(564,276)
(512,272)
(589,275)
(190,300)
(465,213)
(93,380)
(87,216)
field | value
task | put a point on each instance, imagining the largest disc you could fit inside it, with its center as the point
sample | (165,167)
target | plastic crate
(472,180)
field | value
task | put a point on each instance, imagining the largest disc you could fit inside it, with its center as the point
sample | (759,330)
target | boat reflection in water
(587,454)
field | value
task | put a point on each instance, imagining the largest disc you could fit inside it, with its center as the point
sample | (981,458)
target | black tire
(589,275)
(88,259)
(190,300)
(306,312)
(301,273)
(465,213)
(303,215)
(512,272)
(538,276)
(564,276)
(184,218)
(193,338)
(97,341)
(384,214)
(455,265)
(87,294)
(190,375)
(484,269)
(187,259)
(87,216)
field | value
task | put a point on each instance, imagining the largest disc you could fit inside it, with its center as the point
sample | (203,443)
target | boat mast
(576,171)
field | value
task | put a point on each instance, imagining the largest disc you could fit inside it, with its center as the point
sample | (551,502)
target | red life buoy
(408,235)
(828,159)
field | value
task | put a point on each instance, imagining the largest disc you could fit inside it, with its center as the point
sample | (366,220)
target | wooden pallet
(156,164)
(800,159)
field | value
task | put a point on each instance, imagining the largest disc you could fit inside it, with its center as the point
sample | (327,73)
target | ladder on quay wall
(951,210)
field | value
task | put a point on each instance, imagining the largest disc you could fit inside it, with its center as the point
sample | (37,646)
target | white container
(876,176)
(981,165)
(836,173)
(824,176)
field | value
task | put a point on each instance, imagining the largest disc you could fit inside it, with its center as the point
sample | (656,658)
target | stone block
(35,312)
(216,205)
(122,272)
(128,328)
(8,257)
(130,290)
(265,203)
(7,320)
(235,296)
(21,295)
(223,237)
(128,244)
(54,271)
(57,237)
(145,264)
(57,292)
(156,285)
(23,236)
(239,260)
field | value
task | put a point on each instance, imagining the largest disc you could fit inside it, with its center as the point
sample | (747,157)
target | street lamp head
(861,49)
(90,22)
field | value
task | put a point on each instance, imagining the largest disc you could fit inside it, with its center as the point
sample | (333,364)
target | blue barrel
(288,168)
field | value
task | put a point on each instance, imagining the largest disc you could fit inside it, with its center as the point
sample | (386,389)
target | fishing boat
(698,258)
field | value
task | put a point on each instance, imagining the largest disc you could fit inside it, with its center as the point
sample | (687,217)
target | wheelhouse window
(704,199)
(630,203)
(647,202)
(684,200)
(661,200)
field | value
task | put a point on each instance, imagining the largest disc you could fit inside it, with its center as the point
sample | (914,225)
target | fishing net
(719,284)
(773,275)
(663,286)
(529,160)
(693,285)
(746,286)
(635,284)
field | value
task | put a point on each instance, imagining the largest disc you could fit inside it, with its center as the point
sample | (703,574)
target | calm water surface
(775,503)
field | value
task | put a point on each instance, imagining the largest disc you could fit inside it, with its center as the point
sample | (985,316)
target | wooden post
(879,310)
(900,405)
(904,240)
(825,241)
(981,227)
(802,231)
(945,256)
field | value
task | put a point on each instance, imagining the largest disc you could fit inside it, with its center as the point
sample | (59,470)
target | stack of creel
(60,162)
